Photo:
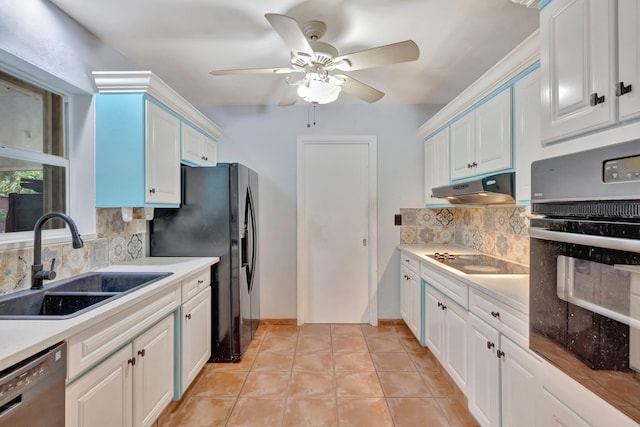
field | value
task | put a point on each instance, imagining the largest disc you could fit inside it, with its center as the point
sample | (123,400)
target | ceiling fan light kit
(317,60)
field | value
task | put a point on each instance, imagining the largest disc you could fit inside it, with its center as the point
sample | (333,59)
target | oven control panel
(622,170)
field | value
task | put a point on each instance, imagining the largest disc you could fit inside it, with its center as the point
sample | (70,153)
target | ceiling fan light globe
(318,91)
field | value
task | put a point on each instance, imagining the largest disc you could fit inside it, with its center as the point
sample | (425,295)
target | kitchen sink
(73,296)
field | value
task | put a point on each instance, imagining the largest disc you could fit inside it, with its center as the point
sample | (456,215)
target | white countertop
(22,338)
(511,289)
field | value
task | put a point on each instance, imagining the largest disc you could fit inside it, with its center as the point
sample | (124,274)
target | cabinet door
(493,134)
(462,145)
(413,304)
(434,322)
(483,391)
(153,375)
(520,384)
(191,146)
(196,336)
(162,156)
(209,152)
(102,396)
(436,164)
(526,131)
(577,63)
(629,57)
(455,339)
(404,294)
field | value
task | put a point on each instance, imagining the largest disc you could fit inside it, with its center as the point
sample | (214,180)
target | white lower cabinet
(410,300)
(446,334)
(503,380)
(196,336)
(555,413)
(131,387)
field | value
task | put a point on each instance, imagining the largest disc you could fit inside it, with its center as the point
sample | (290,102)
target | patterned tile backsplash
(117,241)
(497,231)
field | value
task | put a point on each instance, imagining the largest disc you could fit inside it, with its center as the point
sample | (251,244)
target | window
(33,155)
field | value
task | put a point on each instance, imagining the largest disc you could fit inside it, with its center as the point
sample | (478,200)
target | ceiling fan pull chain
(308,114)
(314,113)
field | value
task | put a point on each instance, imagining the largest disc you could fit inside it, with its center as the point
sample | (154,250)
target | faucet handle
(51,274)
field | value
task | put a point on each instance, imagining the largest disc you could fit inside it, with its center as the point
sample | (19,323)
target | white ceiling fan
(318,62)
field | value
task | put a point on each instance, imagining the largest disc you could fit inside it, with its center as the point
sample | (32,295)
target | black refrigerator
(218,217)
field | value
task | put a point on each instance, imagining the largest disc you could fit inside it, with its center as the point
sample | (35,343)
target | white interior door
(336,230)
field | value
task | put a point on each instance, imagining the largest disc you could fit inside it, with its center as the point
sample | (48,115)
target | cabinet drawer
(195,283)
(97,342)
(454,289)
(410,261)
(507,320)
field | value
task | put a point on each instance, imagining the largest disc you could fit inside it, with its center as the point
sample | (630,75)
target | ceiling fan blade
(357,88)
(255,71)
(384,55)
(291,33)
(289,97)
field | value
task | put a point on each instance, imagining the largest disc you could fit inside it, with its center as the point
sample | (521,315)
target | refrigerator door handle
(252,214)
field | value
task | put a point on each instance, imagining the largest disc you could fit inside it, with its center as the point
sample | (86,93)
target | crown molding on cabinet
(149,83)
(515,62)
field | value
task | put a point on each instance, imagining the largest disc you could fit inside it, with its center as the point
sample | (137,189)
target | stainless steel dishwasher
(32,391)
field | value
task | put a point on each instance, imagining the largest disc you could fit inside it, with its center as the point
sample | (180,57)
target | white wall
(42,44)
(265,138)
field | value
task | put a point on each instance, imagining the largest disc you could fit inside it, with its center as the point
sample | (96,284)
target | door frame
(371,142)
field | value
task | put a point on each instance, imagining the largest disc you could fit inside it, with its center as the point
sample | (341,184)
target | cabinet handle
(595,99)
(469,166)
(500,354)
(406,260)
(439,304)
(444,307)
(474,165)
(141,353)
(131,361)
(200,282)
(490,345)
(152,191)
(622,89)
(495,314)
(188,316)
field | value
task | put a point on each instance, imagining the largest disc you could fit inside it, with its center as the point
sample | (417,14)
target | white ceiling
(182,40)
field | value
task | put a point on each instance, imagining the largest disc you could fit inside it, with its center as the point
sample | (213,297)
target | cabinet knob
(490,345)
(131,361)
(622,89)
(474,165)
(439,304)
(200,282)
(469,166)
(188,316)
(141,353)
(444,307)
(152,191)
(406,260)
(500,354)
(495,314)
(595,99)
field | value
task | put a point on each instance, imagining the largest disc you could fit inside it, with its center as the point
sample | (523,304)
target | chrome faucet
(38,275)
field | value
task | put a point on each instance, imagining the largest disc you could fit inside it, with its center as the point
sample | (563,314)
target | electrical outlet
(397,219)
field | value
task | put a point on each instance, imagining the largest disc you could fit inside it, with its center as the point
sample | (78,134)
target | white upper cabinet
(481,139)
(462,146)
(493,134)
(577,63)
(162,159)
(436,164)
(197,148)
(628,89)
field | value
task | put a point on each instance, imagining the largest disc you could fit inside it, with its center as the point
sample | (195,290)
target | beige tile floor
(324,375)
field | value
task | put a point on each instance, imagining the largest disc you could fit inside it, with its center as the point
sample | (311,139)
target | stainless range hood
(491,190)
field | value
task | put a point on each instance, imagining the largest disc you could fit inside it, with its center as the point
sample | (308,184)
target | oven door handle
(616,243)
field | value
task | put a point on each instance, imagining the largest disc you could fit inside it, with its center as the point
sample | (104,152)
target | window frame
(78,161)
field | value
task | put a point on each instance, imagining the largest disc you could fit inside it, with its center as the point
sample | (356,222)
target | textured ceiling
(182,40)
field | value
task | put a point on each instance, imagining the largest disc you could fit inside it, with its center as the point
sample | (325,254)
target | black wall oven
(585,269)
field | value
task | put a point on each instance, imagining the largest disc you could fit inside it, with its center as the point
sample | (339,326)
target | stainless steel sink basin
(73,296)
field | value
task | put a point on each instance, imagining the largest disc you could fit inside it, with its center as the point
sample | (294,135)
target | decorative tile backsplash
(497,231)
(117,241)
